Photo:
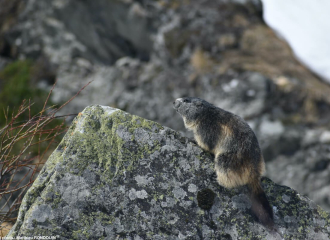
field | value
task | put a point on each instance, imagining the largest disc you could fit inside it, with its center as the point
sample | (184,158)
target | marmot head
(191,108)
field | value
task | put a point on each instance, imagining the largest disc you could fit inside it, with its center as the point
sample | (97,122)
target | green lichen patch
(109,141)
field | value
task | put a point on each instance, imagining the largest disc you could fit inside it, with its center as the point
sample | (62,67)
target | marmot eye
(185,100)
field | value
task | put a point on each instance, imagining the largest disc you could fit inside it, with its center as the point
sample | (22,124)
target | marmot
(238,158)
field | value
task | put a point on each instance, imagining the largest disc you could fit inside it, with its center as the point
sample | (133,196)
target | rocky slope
(119,176)
(142,55)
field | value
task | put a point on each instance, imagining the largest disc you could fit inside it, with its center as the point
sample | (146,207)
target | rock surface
(142,54)
(119,176)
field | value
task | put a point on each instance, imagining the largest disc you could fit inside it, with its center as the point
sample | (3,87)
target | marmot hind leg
(231,174)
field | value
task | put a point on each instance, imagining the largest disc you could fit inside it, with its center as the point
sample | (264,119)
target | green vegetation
(15,86)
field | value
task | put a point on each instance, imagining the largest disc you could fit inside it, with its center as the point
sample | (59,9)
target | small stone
(192,188)
(325,137)
(286,198)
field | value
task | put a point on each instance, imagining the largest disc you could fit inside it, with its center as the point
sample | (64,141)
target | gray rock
(306,171)
(119,176)
(325,137)
(64,30)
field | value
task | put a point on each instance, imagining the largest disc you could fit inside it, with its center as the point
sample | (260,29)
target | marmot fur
(238,158)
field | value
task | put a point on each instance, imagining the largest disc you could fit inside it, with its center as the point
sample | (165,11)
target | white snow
(305,25)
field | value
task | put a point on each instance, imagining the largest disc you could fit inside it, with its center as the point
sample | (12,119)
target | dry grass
(262,51)
(24,148)
(5,228)
(201,62)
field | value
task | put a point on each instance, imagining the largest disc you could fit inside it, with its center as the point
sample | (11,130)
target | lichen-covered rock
(119,176)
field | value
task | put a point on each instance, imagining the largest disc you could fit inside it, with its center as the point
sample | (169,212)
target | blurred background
(142,54)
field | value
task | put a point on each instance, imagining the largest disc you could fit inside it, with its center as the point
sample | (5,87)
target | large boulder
(119,176)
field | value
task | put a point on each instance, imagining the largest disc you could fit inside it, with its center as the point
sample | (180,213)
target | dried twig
(22,154)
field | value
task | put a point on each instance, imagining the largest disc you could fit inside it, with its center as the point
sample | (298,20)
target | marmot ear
(198,104)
